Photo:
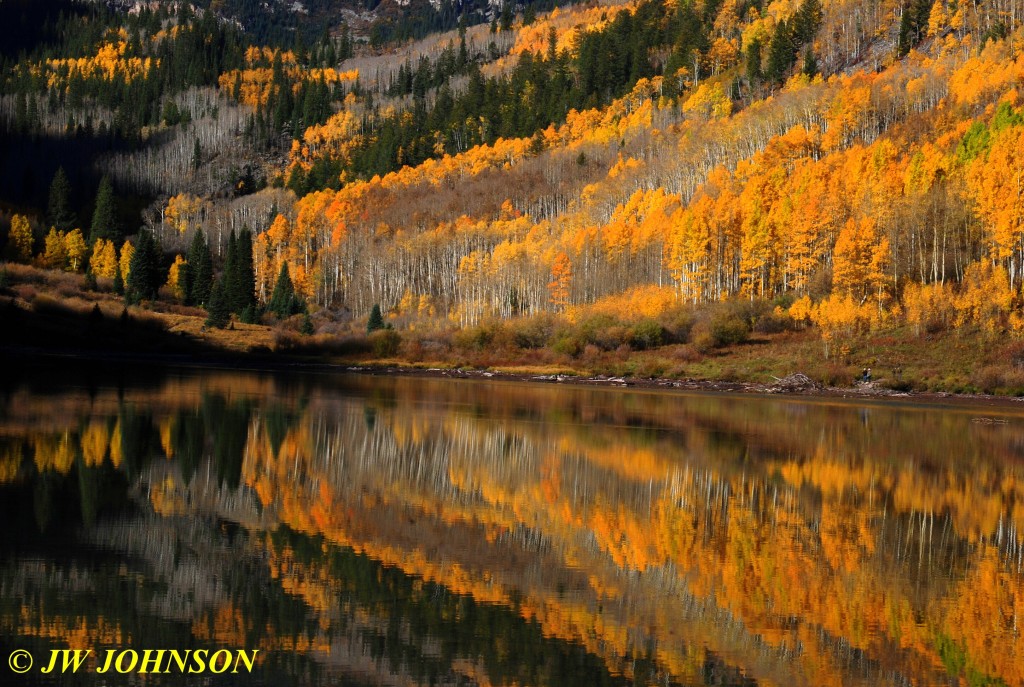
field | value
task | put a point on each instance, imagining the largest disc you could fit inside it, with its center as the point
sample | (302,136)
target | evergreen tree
(243,275)
(810,67)
(806,21)
(58,209)
(198,272)
(144,275)
(118,280)
(376,320)
(104,217)
(283,301)
(754,74)
(781,54)
(217,310)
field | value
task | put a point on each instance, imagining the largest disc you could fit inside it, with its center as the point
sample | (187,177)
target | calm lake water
(364,530)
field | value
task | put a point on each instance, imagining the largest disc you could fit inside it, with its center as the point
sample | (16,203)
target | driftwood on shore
(791,383)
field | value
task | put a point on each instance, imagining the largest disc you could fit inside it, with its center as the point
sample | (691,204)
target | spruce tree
(754,74)
(199,272)
(118,280)
(283,302)
(230,260)
(58,209)
(781,54)
(376,320)
(217,310)
(810,67)
(806,21)
(245,274)
(104,217)
(144,275)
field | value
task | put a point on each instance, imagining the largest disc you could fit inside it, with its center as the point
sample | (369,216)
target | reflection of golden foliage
(95,440)
(10,462)
(53,454)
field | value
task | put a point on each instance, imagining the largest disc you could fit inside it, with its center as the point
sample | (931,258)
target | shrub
(385,343)
(647,334)
(533,332)
(728,329)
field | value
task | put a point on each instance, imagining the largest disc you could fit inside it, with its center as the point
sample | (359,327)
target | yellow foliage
(125,261)
(55,254)
(174,276)
(19,239)
(103,261)
(75,248)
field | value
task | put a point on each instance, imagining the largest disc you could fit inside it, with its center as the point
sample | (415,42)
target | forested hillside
(599,177)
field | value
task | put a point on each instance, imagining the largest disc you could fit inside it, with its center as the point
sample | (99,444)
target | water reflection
(422,531)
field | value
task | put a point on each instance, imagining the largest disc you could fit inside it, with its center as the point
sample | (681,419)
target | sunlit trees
(19,240)
(103,261)
(75,248)
(55,254)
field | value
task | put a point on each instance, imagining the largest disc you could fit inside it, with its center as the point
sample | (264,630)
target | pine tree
(376,320)
(217,310)
(245,274)
(59,211)
(806,21)
(283,301)
(144,277)
(754,74)
(118,281)
(104,217)
(810,67)
(199,272)
(781,54)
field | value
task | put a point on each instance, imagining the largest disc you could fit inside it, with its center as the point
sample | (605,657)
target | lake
(371,530)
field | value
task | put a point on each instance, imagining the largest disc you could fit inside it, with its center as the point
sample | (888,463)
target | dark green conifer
(144,274)
(218,314)
(198,271)
(283,301)
(58,209)
(376,320)
(104,217)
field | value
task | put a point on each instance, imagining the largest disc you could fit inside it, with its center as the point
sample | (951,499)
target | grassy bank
(732,342)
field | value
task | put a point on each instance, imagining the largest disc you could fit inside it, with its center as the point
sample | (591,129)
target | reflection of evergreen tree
(276,425)
(136,439)
(189,441)
(232,423)
(43,500)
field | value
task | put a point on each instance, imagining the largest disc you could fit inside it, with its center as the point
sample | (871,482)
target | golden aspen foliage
(55,254)
(860,260)
(561,281)
(174,276)
(19,239)
(125,260)
(985,297)
(103,261)
(75,248)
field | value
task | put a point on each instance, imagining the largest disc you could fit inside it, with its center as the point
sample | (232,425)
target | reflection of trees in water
(606,516)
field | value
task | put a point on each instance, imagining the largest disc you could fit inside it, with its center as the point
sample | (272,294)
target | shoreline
(794,386)
(863,392)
